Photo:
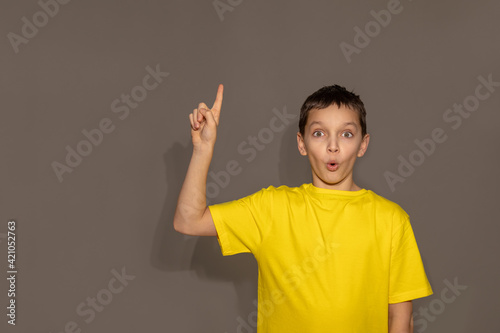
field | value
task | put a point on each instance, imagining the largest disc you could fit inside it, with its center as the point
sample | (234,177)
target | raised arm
(192,216)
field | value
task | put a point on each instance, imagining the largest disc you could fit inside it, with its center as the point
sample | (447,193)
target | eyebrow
(345,124)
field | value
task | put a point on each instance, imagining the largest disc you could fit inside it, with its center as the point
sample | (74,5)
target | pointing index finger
(218,100)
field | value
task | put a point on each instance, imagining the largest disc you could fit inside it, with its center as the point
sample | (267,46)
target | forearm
(192,198)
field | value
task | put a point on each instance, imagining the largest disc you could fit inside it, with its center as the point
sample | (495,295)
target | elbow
(179,229)
(179,225)
(182,230)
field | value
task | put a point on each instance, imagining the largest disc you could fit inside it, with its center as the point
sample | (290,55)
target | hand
(204,121)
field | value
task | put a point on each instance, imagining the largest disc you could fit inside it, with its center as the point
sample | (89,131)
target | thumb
(202,106)
(209,116)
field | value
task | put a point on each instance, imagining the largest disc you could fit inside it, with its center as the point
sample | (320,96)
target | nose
(333,146)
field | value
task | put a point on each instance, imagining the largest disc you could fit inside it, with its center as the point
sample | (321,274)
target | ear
(364,145)
(301,145)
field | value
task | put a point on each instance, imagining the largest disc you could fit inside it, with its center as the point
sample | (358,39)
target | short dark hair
(332,95)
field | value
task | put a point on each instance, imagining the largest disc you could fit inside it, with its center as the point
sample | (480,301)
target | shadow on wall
(174,252)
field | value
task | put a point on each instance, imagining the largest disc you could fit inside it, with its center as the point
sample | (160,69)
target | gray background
(115,209)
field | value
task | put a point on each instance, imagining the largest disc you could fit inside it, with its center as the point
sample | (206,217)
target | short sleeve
(241,224)
(407,278)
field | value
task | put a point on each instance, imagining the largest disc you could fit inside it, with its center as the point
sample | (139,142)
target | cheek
(315,149)
(352,148)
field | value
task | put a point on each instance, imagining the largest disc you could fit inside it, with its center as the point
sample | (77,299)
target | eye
(317,133)
(347,134)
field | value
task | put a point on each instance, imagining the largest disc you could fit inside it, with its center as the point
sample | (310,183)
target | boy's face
(333,140)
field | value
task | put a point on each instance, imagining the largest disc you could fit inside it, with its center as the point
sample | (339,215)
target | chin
(329,181)
(336,180)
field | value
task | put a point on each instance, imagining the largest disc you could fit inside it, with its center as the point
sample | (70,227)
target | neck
(343,186)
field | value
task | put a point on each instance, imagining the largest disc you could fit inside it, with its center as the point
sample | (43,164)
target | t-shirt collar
(318,191)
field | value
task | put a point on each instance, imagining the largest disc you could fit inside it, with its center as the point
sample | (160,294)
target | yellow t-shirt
(329,260)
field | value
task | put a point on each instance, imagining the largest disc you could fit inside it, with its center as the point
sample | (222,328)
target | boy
(332,256)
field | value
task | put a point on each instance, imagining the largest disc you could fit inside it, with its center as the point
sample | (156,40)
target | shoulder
(276,194)
(388,206)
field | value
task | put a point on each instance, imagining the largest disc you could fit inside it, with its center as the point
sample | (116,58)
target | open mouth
(332,166)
